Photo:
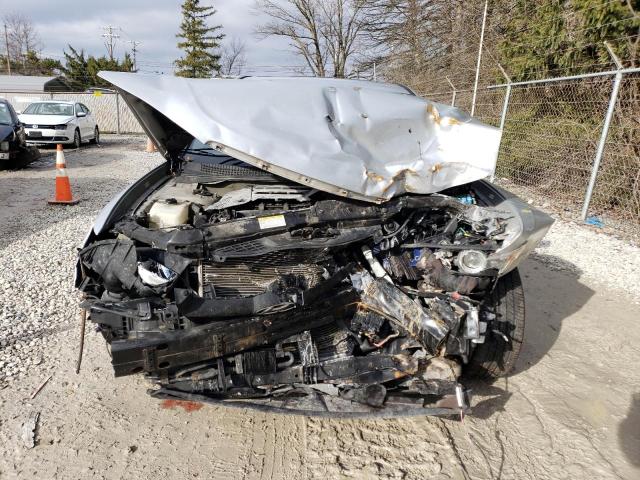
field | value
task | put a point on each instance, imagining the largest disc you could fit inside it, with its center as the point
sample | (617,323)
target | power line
(134,50)
(110,36)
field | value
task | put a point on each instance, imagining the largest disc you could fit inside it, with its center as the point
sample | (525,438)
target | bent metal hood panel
(353,138)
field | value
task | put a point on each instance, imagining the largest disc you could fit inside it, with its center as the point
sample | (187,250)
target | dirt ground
(571,409)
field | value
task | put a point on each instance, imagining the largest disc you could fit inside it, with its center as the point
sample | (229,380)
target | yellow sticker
(272,221)
(97,93)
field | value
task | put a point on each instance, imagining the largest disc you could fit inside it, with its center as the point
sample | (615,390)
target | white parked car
(55,121)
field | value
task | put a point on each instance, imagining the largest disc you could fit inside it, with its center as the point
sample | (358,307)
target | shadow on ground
(629,432)
(553,292)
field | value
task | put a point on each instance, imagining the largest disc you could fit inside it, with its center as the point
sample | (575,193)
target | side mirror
(81,114)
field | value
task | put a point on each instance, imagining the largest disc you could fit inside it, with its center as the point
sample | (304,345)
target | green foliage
(37,65)
(82,72)
(32,64)
(551,134)
(200,42)
(558,37)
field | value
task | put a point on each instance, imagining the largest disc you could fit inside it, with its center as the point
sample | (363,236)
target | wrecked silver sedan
(315,246)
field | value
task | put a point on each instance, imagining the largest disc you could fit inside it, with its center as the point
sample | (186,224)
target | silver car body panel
(358,139)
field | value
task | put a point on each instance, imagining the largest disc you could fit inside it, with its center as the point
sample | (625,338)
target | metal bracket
(217,346)
(150,359)
(308,357)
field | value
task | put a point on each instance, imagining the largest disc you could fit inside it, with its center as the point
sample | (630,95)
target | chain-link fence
(111,113)
(552,131)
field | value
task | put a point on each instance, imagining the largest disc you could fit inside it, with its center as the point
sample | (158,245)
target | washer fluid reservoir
(168,213)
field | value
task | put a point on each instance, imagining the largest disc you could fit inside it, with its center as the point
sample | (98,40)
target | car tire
(77,140)
(96,136)
(497,356)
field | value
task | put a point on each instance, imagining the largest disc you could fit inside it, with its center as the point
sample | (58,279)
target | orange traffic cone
(63,187)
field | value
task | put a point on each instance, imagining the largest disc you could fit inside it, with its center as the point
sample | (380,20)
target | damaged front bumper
(336,308)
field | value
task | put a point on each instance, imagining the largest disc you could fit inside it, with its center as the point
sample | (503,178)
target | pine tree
(82,71)
(200,42)
(558,37)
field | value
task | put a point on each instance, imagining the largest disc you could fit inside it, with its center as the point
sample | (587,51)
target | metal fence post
(475,84)
(505,108)
(117,113)
(505,104)
(605,132)
(503,119)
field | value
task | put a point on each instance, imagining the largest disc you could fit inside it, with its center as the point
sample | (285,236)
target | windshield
(202,153)
(198,146)
(5,114)
(49,108)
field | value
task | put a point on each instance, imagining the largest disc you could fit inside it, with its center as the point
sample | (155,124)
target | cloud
(155,24)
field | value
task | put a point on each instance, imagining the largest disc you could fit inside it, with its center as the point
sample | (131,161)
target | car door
(81,120)
(91,121)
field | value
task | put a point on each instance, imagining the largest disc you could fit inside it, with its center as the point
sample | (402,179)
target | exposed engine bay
(226,283)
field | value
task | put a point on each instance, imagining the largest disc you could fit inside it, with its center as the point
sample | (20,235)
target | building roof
(26,83)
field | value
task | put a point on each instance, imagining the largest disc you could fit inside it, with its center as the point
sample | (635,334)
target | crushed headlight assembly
(471,261)
(527,228)
(508,259)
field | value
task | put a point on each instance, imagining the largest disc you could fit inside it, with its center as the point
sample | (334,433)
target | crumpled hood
(353,138)
(29,120)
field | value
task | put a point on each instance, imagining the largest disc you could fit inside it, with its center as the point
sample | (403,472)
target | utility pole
(110,36)
(6,44)
(134,49)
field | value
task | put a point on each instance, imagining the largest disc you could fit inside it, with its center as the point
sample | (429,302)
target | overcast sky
(152,22)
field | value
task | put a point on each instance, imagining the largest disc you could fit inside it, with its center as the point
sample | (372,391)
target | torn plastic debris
(386,299)
(594,221)
(155,274)
(116,263)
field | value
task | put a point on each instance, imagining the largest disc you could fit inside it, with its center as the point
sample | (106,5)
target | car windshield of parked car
(49,109)
(5,114)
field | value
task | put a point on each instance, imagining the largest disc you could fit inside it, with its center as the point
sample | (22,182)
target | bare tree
(22,37)
(324,32)
(414,41)
(234,58)
(344,22)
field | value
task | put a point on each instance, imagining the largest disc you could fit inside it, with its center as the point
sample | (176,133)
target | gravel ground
(599,258)
(571,410)
(39,241)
